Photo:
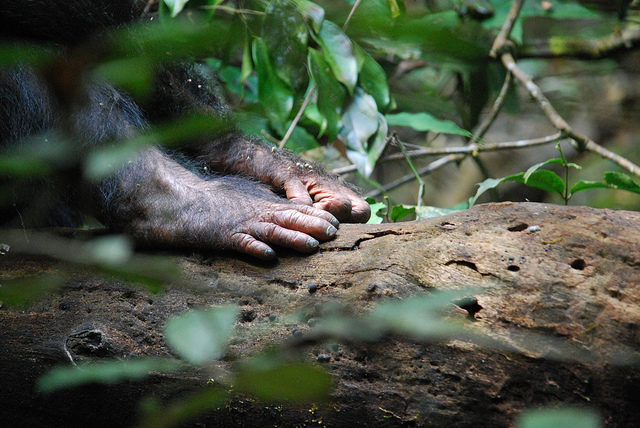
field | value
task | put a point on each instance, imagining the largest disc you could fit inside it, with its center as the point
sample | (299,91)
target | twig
(296,119)
(413,169)
(351,12)
(471,149)
(437,164)
(493,113)
(575,47)
(581,142)
(501,39)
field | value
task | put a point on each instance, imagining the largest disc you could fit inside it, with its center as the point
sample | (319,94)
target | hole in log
(513,268)
(518,227)
(578,264)
(469,304)
(465,263)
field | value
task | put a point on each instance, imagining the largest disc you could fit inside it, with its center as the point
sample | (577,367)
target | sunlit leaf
(488,184)
(338,52)
(104,372)
(331,93)
(311,11)
(394,8)
(426,122)
(274,93)
(376,207)
(398,212)
(559,417)
(247,64)
(361,121)
(201,336)
(175,6)
(293,382)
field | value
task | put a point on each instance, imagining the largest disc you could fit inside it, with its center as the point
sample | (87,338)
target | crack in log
(469,265)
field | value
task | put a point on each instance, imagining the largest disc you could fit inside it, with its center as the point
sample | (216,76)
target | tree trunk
(567,272)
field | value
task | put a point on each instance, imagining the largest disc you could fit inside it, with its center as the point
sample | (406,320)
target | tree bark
(566,272)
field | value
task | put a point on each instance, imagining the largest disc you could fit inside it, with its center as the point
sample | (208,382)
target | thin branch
(437,164)
(535,91)
(575,47)
(296,119)
(351,12)
(472,149)
(581,142)
(413,169)
(493,113)
(501,40)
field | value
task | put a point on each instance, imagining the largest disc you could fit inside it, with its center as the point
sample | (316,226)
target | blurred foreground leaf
(293,382)
(109,254)
(21,292)
(104,372)
(559,417)
(201,336)
(156,415)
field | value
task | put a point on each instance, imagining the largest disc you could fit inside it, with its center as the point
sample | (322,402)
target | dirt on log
(567,272)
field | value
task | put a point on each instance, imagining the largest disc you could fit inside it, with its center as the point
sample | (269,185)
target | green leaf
(104,372)
(21,292)
(541,179)
(559,417)
(312,12)
(537,166)
(275,95)
(247,64)
(488,184)
(419,317)
(201,336)
(175,6)
(581,186)
(376,207)
(338,52)
(428,212)
(398,212)
(373,79)
(331,93)
(362,121)
(293,382)
(287,44)
(394,8)
(621,181)
(426,122)
(157,415)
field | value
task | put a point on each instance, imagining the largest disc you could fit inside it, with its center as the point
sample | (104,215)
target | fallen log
(567,272)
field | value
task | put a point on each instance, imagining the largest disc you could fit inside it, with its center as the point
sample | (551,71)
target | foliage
(549,181)
(423,71)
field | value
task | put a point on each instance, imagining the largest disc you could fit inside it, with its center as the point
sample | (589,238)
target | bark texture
(568,272)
